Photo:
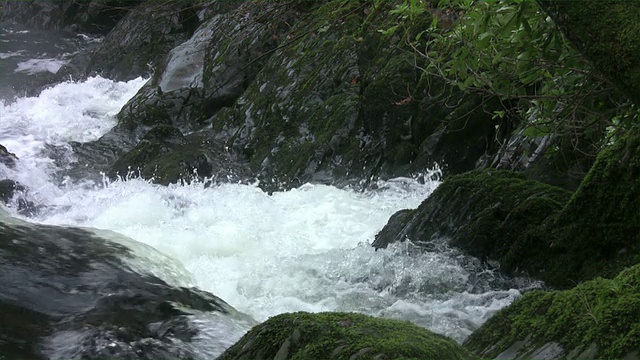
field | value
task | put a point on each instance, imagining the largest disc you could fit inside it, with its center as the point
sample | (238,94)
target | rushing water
(304,249)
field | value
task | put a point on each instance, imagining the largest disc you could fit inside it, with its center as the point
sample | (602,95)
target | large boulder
(495,215)
(71,293)
(314,94)
(341,336)
(598,319)
(547,232)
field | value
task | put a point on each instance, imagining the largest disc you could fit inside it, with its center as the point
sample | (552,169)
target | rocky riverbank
(286,93)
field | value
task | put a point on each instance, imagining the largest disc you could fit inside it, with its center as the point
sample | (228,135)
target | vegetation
(342,336)
(515,51)
(599,312)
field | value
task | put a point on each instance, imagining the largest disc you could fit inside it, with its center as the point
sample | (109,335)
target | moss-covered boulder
(166,156)
(560,237)
(598,319)
(598,232)
(341,336)
(492,214)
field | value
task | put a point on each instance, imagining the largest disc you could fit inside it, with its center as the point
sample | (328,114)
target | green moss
(601,312)
(598,232)
(547,232)
(492,214)
(302,336)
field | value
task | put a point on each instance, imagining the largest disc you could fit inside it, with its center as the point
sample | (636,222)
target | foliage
(512,50)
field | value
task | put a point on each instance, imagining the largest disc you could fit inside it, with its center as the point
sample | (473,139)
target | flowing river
(306,249)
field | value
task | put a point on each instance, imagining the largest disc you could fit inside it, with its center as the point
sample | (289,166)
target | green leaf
(388,31)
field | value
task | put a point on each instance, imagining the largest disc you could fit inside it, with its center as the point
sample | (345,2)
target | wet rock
(88,298)
(494,215)
(142,39)
(210,70)
(166,156)
(14,193)
(94,157)
(7,158)
(341,336)
(339,103)
(8,188)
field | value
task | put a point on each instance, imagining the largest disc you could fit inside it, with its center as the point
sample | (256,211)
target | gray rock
(87,298)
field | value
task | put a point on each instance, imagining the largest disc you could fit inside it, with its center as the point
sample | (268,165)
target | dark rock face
(11,190)
(496,215)
(93,16)
(7,158)
(142,39)
(8,188)
(210,70)
(340,102)
(560,160)
(167,156)
(341,336)
(311,95)
(85,300)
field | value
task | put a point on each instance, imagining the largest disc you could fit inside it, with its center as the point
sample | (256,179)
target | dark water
(30,59)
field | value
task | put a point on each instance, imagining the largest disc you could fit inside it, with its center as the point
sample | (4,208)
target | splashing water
(304,249)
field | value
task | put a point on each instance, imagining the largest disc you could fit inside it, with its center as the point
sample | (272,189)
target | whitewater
(305,249)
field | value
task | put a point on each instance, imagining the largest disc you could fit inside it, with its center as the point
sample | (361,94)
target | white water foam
(60,114)
(303,249)
(34,66)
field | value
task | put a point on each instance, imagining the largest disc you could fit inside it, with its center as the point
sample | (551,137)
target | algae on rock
(302,336)
(598,319)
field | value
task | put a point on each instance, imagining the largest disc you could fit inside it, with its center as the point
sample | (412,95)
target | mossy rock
(598,231)
(490,214)
(302,336)
(601,317)
(341,103)
(530,227)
